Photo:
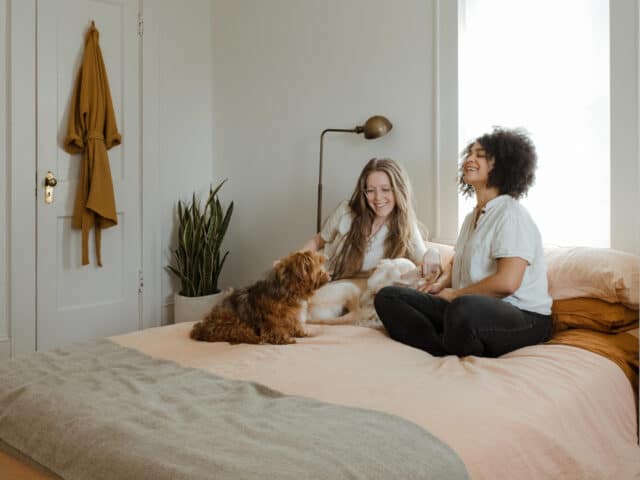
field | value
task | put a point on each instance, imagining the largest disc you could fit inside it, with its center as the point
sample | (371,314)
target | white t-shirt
(504,229)
(337,227)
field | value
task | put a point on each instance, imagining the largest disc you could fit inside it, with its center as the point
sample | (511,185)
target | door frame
(22,159)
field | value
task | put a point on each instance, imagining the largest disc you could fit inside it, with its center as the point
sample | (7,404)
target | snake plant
(197,261)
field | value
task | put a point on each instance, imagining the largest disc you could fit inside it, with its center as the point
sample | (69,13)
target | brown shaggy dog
(270,310)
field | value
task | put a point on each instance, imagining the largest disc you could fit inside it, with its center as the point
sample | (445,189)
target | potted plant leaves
(197,258)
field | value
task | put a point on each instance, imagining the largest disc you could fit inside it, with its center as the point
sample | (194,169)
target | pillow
(592,314)
(602,273)
(446,252)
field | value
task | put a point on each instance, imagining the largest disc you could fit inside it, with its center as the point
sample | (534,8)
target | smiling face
(379,194)
(476,166)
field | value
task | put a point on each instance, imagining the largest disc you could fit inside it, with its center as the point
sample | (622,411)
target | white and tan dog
(351,301)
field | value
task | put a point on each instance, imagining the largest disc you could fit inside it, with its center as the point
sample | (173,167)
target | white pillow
(603,273)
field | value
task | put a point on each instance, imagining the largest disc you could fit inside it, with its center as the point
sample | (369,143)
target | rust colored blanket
(600,327)
(621,348)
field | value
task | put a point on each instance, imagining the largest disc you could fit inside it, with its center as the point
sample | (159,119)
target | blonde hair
(400,223)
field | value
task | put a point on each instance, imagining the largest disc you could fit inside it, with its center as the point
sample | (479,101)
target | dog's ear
(320,258)
(302,266)
(279,270)
(302,271)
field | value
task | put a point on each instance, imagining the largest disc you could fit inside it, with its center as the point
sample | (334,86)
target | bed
(346,402)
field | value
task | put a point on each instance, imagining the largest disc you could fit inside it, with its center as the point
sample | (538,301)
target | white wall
(178,85)
(283,71)
(625,188)
(286,69)
(4,174)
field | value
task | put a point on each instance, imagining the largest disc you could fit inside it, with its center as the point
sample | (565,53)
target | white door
(76,302)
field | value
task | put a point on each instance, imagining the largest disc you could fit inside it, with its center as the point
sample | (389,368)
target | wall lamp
(374,127)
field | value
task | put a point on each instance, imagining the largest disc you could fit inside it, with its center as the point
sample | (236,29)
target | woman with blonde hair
(378,222)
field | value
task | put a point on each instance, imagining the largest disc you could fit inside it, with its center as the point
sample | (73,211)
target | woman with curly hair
(377,222)
(494,299)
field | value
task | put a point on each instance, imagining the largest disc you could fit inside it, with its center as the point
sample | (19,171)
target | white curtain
(543,65)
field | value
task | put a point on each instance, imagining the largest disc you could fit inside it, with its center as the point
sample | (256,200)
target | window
(543,65)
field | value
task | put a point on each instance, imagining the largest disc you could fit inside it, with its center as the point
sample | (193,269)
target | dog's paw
(311,331)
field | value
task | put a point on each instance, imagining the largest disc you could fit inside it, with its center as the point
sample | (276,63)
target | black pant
(470,325)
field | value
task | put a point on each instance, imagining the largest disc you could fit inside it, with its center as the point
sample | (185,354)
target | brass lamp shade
(374,127)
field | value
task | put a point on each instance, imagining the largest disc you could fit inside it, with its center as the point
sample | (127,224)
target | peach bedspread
(541,412)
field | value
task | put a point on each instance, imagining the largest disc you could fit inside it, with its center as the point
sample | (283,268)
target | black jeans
(470,325)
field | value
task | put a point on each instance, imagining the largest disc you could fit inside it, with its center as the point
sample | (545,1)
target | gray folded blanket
(98,410)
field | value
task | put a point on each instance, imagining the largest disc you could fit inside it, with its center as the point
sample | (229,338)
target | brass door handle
(50,181)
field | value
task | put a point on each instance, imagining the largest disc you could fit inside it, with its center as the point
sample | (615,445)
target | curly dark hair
(515,161)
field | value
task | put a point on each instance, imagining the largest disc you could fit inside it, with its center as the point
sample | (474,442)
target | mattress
(540,412)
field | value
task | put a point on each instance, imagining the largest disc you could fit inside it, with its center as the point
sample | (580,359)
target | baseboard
(5,348)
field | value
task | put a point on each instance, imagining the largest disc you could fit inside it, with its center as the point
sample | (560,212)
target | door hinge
(140,25)
(140,282)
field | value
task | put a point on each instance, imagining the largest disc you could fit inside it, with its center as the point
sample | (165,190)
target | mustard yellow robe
(92,131)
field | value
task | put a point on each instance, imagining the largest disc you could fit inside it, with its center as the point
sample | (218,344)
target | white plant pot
(193,309)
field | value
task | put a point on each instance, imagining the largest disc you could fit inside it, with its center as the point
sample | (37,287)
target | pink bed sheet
(541,412)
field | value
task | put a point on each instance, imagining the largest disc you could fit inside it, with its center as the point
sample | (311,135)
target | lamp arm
(319,204)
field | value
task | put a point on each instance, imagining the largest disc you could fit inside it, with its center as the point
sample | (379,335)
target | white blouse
(337,227)
(504,229)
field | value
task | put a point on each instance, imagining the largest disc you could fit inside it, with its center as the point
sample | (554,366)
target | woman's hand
(439,290)
(431,287)
(435,287)
(448,294)
(442,281)
(430,273)
(430,268)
